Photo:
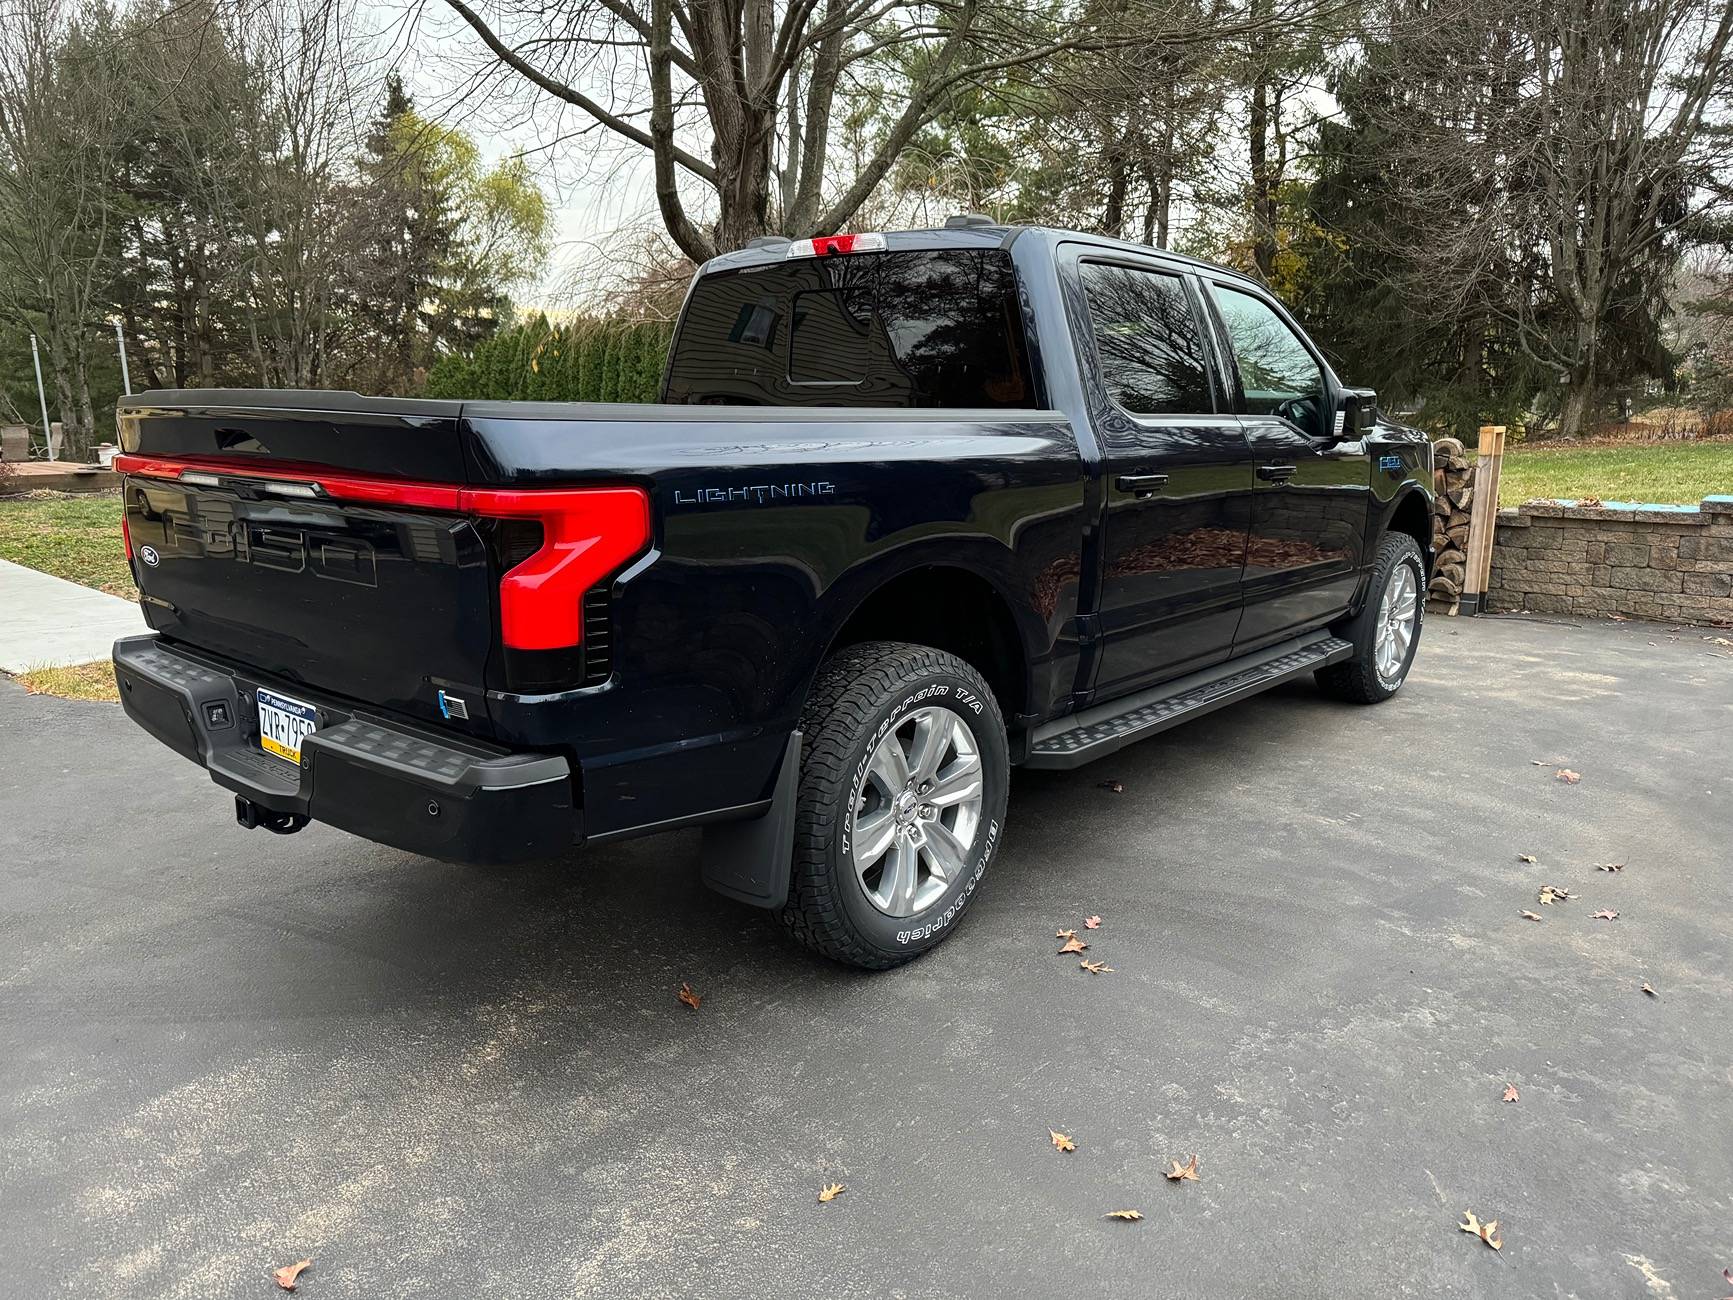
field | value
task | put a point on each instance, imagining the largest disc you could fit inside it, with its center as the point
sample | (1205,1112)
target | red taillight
(588,534)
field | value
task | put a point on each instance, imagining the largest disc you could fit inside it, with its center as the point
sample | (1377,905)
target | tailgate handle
(1141,486)
(1276,473)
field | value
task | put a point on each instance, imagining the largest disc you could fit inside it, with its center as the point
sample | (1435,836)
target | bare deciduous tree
(1576,139)
(762,82)
(59,144)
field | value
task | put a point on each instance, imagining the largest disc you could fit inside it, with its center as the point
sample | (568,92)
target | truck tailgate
(240,550)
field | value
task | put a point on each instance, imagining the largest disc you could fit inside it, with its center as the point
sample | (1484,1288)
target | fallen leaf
(1112,787)
(1525,857)
(289,1272)
(1095,967)
(1594,503)
(1487,1232)
(1651,992)
(1510,1092)
(1073,944)
(1609,866)
(1567,776)
(687,996)
(1183,1173)
(1060,1141)
(1066,934)
(1605,914)
(1531,916)
(830,1191)
(1543,762)
(1092,923)
(1130,1216)
(1554,894)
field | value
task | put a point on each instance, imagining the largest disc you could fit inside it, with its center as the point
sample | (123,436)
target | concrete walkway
(48,622)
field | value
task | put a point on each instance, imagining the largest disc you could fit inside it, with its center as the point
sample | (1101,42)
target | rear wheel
(1386,633)
(903,782)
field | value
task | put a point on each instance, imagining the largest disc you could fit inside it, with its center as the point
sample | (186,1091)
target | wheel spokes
(960,781)
(873,834)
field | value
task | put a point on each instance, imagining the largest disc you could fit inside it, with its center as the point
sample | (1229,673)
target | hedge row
(586,361)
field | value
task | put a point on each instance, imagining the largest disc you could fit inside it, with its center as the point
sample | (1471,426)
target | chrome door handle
(1141,485)
(1276,473)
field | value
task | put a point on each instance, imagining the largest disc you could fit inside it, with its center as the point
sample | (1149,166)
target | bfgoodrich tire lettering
(864,694)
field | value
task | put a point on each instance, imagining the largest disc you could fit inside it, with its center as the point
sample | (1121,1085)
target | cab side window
(1148,342)
(1279,376)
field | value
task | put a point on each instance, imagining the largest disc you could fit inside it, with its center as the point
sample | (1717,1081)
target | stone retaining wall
(1644,561)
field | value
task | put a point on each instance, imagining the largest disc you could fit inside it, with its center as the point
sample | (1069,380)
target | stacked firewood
(1453,488)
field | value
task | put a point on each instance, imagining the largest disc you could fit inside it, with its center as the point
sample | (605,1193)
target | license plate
(284,724)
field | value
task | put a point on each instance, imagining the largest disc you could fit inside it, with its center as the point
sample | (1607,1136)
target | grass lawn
(76,537)
(1671,473)
(78,682)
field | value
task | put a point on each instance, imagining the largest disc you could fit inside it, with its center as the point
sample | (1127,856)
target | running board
(1098,731)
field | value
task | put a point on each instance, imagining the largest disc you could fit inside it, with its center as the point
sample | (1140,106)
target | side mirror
(1356,414)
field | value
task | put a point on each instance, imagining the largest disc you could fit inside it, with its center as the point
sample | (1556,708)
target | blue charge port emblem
(452,707)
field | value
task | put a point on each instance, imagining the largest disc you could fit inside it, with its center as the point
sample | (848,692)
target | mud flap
(751,860)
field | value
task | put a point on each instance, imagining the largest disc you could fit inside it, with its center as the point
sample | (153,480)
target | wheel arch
(950,607)
(1412,514)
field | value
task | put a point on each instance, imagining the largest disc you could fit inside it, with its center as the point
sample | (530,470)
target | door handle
(1276,473)
(1141,485)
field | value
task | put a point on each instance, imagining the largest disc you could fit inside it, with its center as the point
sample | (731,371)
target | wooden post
(1482,519)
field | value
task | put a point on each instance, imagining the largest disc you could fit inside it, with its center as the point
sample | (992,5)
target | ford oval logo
(148,555)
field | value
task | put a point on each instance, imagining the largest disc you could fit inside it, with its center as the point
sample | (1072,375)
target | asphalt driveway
(221,1051)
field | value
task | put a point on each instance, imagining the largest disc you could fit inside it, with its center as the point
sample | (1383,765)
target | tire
(1359,678)
(888,693)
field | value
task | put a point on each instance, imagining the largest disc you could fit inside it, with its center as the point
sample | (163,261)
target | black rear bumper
(446,797)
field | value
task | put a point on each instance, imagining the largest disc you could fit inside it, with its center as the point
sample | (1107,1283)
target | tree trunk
(1263,195)
(1579,405)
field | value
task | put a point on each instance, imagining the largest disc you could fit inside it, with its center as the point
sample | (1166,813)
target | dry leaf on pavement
(1092,923)
(1130,1216)
(1073,944)
(1605,914)
(830,1191)
(1531,916)
(1060,1141)
(1567,776)
(1650,991)
(1183,1173)
(687,996)
(1066,934)
(1554,894)
(1510,1092)
(1487,1232)
(1525,857)
(289,1272)
(1095,967)
(1609,866)
(1113,787)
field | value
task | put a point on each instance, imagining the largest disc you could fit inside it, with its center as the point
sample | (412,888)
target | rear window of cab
(906,329)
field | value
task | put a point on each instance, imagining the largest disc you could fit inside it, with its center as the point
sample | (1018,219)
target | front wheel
(1386,633)
(903,779)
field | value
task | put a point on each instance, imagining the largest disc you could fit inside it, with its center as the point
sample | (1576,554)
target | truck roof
(979,232)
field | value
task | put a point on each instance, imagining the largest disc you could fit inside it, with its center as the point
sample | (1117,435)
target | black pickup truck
(916,507)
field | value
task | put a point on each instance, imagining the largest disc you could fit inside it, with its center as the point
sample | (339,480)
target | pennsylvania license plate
(284,724)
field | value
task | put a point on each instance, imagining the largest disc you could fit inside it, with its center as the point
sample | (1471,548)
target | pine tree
(608,383)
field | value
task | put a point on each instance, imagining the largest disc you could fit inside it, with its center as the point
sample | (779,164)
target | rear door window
(1146,340)
(914,329)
